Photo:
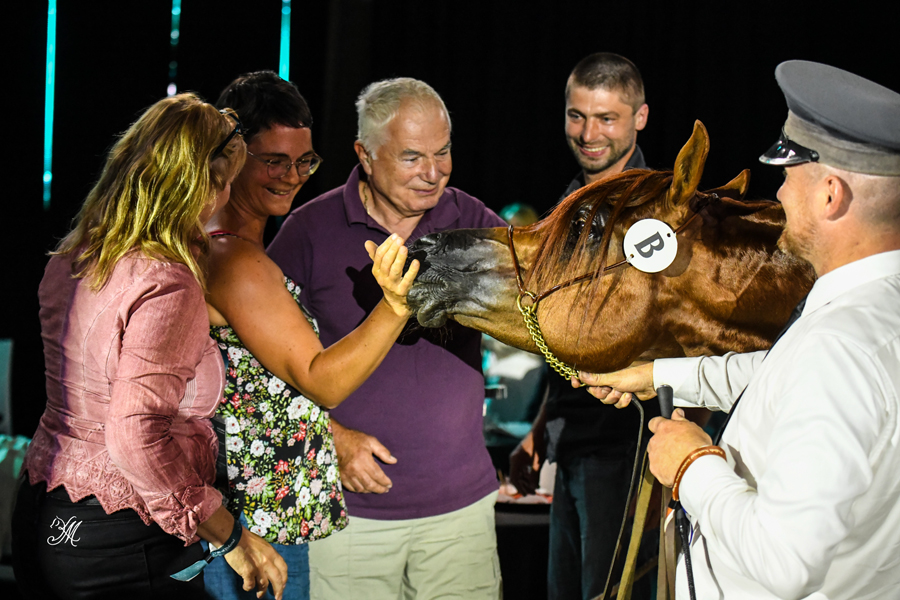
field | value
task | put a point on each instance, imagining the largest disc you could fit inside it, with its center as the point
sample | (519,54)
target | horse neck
(738,285)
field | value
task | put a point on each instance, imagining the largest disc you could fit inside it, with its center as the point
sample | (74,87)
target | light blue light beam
(48,100)
(284,62)
(174,36)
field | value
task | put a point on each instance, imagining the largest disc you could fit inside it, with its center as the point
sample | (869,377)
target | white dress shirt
(808,503)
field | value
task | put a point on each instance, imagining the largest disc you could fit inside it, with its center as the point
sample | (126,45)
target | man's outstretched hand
(619,387)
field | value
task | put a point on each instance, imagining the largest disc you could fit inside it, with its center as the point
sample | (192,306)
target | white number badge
(650,246)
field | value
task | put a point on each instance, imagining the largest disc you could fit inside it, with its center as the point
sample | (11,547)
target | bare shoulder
(236,266)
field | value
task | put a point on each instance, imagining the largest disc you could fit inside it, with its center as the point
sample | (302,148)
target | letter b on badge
(650,245)
(647,247)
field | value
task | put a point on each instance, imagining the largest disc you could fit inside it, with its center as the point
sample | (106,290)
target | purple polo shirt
(424,402)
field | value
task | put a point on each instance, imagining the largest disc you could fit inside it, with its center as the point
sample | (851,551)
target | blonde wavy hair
(158,178)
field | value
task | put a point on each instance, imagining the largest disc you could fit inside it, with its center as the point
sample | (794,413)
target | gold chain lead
(529,314)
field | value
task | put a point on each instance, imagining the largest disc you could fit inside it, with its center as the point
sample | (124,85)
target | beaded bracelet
(689,460)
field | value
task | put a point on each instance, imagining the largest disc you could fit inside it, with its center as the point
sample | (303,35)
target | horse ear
(734,189)
(689,166)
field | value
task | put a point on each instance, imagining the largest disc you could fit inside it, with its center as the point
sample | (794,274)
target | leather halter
(527,301)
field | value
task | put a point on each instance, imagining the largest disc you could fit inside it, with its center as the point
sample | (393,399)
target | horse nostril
(421,249)
(417,254)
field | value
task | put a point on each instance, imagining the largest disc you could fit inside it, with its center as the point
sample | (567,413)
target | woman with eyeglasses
(282,465)
(118,483)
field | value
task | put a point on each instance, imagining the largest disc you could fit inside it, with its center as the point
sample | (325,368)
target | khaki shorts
(453,555)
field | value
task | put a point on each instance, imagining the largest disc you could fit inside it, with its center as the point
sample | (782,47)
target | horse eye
(583,212)
(577,226)
(597,223)
(580,220)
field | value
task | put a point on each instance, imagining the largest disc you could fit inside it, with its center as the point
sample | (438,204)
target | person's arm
(248,290)
(712,382)
(165,335)
(783,529)
(254,559)
(163,342)
(526,460)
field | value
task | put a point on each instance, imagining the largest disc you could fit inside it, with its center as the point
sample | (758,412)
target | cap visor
(786,152)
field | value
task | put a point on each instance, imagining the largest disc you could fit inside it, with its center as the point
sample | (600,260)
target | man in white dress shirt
(806,503)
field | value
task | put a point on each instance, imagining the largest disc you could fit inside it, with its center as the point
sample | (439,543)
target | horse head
(728,287)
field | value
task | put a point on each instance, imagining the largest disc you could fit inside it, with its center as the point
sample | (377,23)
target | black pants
(75,551)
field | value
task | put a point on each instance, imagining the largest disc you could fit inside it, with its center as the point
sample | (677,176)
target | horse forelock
(558,259)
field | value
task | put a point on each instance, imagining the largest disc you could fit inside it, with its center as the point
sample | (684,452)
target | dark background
(500,67)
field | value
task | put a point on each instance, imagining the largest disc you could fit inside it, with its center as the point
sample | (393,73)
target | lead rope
(634,476)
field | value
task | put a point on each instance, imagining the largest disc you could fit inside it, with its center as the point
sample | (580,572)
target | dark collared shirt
(635,162)
(578,424)
(424,402)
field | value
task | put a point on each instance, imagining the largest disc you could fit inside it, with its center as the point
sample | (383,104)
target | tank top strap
(221,232)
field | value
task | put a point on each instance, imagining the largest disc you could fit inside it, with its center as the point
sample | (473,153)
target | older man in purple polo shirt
(409,441)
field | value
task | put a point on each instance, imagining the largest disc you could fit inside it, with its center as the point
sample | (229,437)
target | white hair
(380,102)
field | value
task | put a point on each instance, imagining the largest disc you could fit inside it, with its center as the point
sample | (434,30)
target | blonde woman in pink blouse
(120,474)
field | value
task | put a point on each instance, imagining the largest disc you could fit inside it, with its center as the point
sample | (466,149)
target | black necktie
(795,314)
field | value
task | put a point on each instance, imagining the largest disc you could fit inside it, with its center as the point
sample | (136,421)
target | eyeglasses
(238,130)
(279,167)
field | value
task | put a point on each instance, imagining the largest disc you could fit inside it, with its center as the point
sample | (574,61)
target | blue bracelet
(196,568)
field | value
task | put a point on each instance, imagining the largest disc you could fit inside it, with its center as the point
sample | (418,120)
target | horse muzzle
(461,273)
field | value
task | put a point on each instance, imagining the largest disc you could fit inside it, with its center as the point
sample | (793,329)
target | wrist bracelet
(229,545)
(689,460)
(232,542)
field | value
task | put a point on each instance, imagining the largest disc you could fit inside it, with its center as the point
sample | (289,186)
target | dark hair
(610,72)
(263,99)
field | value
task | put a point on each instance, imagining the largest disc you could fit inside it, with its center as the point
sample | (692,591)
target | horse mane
(558,258)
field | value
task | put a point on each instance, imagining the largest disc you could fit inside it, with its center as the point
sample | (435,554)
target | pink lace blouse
(132,380)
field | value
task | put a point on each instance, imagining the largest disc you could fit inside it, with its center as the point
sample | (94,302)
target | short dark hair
(263,99)
(610,72)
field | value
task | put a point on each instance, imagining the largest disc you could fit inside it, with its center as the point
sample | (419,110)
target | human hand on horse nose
(673,439)
(388,261)
(619,387)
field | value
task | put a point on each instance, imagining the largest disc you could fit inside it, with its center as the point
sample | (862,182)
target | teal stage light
(48,101)
(174,36)
(284,62)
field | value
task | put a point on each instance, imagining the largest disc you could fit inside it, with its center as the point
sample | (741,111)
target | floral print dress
(282,465)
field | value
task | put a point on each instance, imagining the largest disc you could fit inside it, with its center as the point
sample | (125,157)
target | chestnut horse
(729,288)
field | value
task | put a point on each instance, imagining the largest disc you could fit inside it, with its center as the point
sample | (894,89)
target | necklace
(366,197)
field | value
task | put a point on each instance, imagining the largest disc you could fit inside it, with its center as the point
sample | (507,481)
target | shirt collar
(850,276)
(636,161)
(441,217)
